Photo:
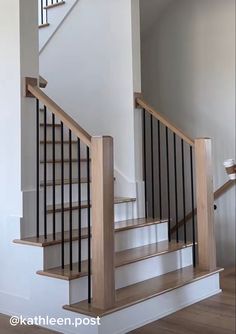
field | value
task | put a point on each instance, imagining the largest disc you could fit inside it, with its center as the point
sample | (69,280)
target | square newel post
(103,268)
(205,204)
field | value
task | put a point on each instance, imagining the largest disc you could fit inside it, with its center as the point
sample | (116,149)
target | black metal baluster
(45,172)
(79,206)
(42,16)
(70,199)
(62,200)
(159,168)
(89,226)
(145,163)
(152,170)
(192,203)
(168,182)
(46,12)
(184,192)
(37,167)
(53,178)
(176,191)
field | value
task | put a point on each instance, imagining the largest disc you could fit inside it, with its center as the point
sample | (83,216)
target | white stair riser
(123,240)
(66,193)
(58,151)
(137,272)
(124,321)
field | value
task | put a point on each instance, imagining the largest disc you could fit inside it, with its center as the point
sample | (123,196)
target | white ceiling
(150,11)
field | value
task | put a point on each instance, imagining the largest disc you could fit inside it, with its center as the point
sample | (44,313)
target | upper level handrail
(60,114)
(142,103)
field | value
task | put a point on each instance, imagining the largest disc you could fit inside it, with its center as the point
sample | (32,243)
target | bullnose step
(140,292)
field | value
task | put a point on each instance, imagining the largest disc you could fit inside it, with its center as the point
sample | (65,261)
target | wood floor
(215,315)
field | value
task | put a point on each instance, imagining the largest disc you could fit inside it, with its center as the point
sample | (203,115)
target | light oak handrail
(218,193)
(164,120)
(71,124)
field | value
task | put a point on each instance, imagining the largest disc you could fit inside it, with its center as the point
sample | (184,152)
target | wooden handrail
(218,193)
(143,104)
(68,121)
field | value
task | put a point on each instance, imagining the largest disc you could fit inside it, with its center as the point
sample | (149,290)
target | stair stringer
(56,17)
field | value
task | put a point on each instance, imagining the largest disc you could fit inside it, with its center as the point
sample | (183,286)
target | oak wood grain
(145,290)
(122,258)
(205,204)
(68,121)
(164,120)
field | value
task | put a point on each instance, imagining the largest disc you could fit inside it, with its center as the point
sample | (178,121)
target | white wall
(18,58)
(188,73)
(88,64)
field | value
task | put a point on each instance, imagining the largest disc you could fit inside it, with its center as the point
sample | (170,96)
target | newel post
(103,268)
(205,204)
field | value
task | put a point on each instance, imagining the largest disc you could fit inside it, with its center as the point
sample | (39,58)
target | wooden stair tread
(139,292)
(121,259)
(50,142)
(84,204)
(58,161)
(57,4)
(119,227)
(57,125)
(66,182)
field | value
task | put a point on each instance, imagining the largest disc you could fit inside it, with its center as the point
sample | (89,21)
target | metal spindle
(70,199)
(37,167)
(145,163)
(192,203)
(79,205)
(89,226)
(53,177)
(176,190)
(168,182)
(42,18)
(159,168)
(184,191)
(152,170)
(62,199)
(45,172)
(46,12)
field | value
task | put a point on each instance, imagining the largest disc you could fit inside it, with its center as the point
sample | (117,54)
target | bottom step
(145,290)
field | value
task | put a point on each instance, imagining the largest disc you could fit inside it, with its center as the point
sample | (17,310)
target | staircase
(91,255)
(136,269)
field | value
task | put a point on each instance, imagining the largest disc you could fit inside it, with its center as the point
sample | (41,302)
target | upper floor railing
(44,6)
